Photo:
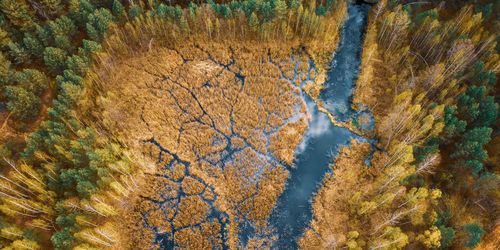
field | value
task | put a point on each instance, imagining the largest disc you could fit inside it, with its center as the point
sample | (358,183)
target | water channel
(322,139)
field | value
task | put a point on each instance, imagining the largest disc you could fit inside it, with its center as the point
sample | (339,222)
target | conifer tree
(17,11)
(55,59)
(53,8)
(5,72)
(32,80)
(23,104)
(19,53)
(475,232)
(254,22)
(79,11)
(135,11)
(98,24)
(4,38)
(118,11)
(33,46)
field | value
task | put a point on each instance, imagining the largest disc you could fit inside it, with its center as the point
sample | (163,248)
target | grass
(225,119)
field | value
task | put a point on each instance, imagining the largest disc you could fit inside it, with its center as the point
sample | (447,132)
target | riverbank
(332,86)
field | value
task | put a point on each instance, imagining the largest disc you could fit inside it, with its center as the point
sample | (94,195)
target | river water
(322,139)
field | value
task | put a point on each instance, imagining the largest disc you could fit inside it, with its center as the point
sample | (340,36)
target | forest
(159,124)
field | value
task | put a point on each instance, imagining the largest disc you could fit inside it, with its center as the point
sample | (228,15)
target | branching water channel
(322,139)
(185,203)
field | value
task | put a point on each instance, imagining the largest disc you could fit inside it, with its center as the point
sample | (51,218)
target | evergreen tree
(4,38)
(475,232)
(5,72)
(98,24)
(63,239)
(17,11)
(486,182)
(447,235)
(254,22)
(470,148)
(135,11)
(249,7)
(329,4)
(63,26)
(19,53)
(62,42)
(88,49)
(78,65)
(52,8)
(280,9)
(79,11)
(33,46)
(44,35)
(118,11)
(23,104)
(32,80)
(320,11)
(55,59)
(486,11)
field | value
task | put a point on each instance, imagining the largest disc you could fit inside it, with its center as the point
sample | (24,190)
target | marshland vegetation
(144,123)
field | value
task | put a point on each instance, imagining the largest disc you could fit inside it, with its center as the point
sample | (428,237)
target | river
(322,139)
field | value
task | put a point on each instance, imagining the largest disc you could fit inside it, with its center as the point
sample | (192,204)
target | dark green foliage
(135,11)
(55,59)
(44,35)
(81,162)
(33,46)
(32,80)
(468,125)
(430,147)
(63,43)
(443,218)
(482,77)
(226,12)
(249,7)
(5,72)
(193,7)
(51,8)
(486,11)
(487,182)
(23,104)
(294,4)
(19,53)
(266,12)
(79,10)
(433,13)
(98,24)
(453,126)
(63,239)
(88,48)
(77,64)
(447,235)
(62,26)
(83,180)
(329,4)
(320,11)
(470,148)
(63,29)
(18,12)
(474,232)
(118,11)
(488,112)
(69,76)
